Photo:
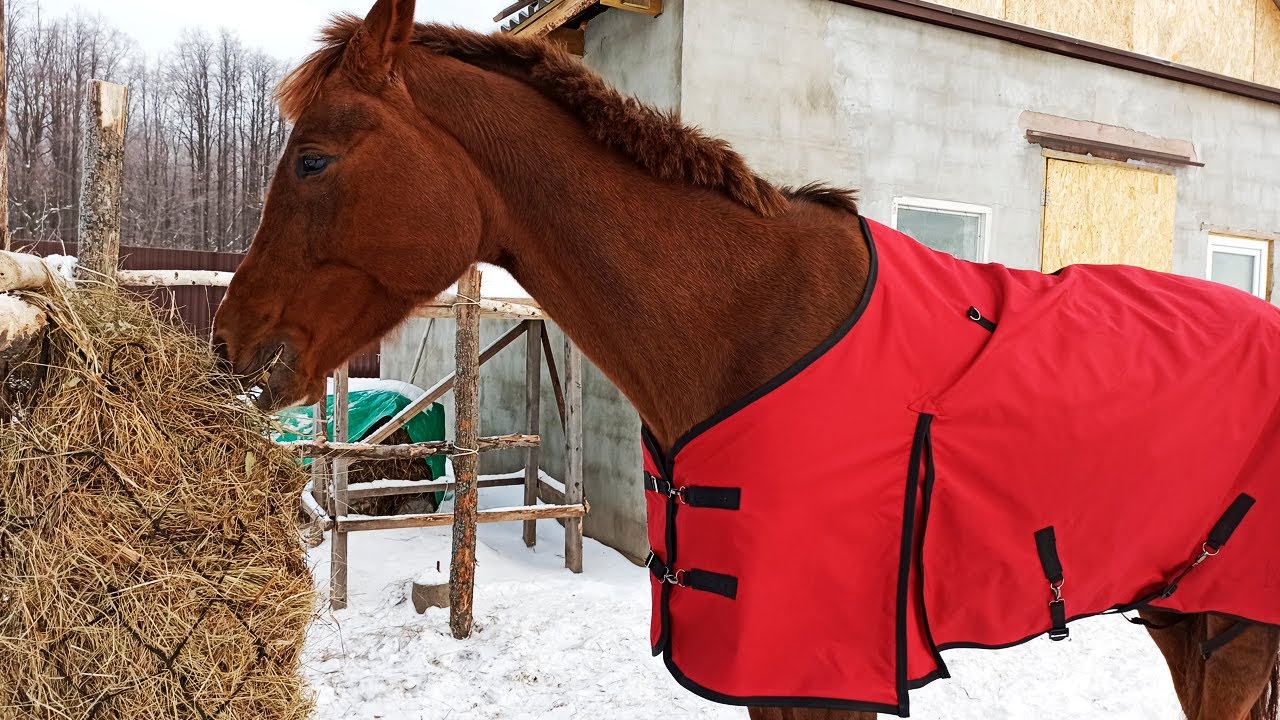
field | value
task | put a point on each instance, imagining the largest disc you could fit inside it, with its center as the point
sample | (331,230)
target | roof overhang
(541,18)
(1067,46)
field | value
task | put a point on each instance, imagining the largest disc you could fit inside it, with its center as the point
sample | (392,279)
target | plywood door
(1107,214)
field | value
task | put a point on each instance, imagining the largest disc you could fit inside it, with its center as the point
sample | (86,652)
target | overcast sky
(284,28)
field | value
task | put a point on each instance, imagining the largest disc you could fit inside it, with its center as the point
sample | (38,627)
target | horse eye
(311,165)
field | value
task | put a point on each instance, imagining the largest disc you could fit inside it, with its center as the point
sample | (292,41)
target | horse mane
(656,140)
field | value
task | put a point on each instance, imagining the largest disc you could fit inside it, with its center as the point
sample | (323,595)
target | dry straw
(149,564)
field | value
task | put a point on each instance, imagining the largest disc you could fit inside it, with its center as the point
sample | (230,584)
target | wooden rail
(307,449)
(535,512)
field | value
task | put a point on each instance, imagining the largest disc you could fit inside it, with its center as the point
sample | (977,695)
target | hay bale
(149,566)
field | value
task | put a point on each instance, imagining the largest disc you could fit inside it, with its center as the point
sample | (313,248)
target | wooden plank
(1213,35)
(442,388)
(556,388)
(364,491)
(573,492)
(338,555)
(511,9)
(532,422)
(174,278)
(4,136)
(493,309)
(21,271)
(466,397)
(320,466)
(549,494)
(1107,214)
(102,188)
(552,18)
(652,8)
(989,8)
(415,451)
(21,326)
(1266,63)
(541,512)
(1106,23)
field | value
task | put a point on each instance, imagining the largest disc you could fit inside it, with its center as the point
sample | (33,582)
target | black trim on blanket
(926,502)
(798,366)
(918,443)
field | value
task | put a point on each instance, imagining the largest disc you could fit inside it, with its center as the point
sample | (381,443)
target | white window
(1240,262)
(956,228)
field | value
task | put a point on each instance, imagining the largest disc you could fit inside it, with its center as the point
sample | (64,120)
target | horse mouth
(274,383)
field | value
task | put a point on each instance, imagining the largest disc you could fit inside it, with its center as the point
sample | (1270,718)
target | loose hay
(149,566)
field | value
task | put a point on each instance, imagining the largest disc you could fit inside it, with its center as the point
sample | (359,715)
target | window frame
(949,207)
(1251,247)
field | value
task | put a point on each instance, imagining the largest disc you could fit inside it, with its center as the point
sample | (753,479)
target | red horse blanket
(977,457)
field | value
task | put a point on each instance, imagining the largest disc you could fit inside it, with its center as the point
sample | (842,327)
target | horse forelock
(655,140)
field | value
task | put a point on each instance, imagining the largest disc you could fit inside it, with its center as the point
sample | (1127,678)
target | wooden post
(573,492)
(4,136)
(466,394)
(532,408)
(101,198)
(320,466)
(338,496)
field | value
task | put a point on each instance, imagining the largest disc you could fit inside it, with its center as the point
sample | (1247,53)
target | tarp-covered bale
(149,564)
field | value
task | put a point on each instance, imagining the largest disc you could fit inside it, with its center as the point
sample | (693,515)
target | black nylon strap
(1047,547)
(1229,521)
(653,483)
(1157,626)
(706,581)
(1058,616)
(656,566)
(715,498)
(703,580)
(1219,641)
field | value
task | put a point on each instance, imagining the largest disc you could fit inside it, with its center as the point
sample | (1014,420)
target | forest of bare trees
(204,132)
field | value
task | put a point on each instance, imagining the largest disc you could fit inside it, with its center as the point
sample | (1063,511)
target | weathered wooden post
(466,394)
(532,408)
(4,136)
(573,492)
(320,466)
(338,496)
(102,193)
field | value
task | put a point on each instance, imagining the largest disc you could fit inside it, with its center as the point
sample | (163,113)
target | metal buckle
(675,578)
(1057,589)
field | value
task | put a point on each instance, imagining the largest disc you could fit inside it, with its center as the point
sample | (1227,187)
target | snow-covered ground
(550,644)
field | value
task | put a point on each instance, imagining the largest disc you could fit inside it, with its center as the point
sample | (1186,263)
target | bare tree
(204,131)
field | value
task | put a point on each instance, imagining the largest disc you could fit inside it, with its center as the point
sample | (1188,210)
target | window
(1240,262)
(954,228)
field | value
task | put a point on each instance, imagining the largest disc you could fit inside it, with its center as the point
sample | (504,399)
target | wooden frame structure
(331,494)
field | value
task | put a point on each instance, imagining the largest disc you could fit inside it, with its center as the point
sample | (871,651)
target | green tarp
(371,408)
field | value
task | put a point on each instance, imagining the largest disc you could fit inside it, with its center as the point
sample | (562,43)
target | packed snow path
(550,644)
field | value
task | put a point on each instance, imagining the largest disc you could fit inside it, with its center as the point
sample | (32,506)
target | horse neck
(683,298)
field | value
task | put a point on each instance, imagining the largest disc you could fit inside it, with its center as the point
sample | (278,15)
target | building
(1026,132)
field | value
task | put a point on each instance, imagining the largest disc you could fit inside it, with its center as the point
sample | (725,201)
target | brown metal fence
(195,305)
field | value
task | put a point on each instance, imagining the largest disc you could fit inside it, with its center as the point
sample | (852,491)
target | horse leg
(1240,678)
(805,714)
(1178,637)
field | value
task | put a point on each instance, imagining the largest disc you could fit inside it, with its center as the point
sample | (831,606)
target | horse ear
(387,29)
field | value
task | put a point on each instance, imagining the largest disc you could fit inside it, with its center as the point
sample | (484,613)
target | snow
(404,389)
(62,265)
(497,283)
(550,644)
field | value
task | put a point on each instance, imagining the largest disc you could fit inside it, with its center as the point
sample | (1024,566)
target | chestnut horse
(420,150)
